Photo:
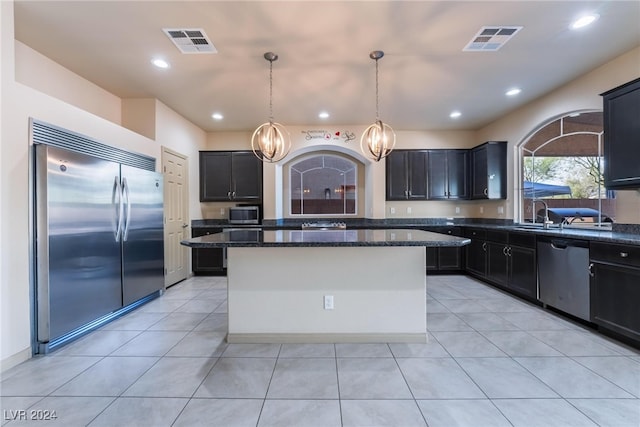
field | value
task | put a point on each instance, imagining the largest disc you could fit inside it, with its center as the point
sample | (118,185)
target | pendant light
(378,139)
(270,141)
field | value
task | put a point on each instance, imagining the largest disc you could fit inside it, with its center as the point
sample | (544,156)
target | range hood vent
(490,39)
(192,40)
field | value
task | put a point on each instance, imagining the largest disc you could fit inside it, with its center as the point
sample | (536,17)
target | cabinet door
(488,165)
(417,174)
(522,271)
(209,260)
(432,258)
(437,174)
(621,129)
(457,175)
(215,176)
(246,172)
(476,257)
(479,177)
(397,175)
(449,258)
(615,292)
(497,263)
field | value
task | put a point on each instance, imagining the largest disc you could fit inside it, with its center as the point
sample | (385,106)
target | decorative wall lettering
(337,136)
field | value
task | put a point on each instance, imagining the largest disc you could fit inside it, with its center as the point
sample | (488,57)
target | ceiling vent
(193,40)
(490,39)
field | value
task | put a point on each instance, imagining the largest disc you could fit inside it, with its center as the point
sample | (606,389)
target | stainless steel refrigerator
(98,240)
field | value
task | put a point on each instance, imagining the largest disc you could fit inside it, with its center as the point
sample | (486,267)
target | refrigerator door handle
(116,199)
(127,221)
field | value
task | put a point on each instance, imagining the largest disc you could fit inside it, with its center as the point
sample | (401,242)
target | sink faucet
(545,222)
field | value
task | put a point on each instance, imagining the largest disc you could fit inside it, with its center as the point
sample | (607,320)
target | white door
(176,211)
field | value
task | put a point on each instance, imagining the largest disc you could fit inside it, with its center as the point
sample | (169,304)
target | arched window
(323,184)
(561,164)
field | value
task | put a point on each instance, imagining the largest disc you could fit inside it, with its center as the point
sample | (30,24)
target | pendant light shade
(377,140)
(271,141)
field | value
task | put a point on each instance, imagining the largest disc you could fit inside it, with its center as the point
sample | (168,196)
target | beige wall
(44,75)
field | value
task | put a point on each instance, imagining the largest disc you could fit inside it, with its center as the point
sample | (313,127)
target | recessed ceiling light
(585,20)
(160,63)
(323,115)
(217,116)
(513,92)
(455,114)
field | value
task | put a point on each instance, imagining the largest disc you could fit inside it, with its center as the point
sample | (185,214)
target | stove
(324,225)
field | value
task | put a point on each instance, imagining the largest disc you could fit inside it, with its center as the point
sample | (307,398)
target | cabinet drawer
(476,233)
(452,231)
(497,236)
(617,254)
(524,240)
(197,232)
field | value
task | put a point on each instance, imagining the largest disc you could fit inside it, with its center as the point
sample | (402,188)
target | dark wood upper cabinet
(479,173)
(230,175)
(447,174)
(621,114)
(489,170)
(406,175)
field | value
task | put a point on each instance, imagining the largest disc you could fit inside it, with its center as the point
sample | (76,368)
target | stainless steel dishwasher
(563,275)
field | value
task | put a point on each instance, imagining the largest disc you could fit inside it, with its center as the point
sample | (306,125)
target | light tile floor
(491,360)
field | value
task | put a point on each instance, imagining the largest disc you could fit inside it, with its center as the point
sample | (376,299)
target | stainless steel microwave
(244,215)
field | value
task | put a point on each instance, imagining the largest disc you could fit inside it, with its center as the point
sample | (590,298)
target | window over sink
(561,164)
(323,184)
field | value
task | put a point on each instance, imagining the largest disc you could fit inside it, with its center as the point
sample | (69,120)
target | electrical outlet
(408,209)
(500,210)
(481,209)
(221,211)
(328,302)
(392,210)
(457,209)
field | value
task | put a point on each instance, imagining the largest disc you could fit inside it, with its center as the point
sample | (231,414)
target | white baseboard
(325,338)
(14,360)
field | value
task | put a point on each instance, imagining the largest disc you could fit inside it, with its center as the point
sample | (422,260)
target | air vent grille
(45,133)
(490,39)
(193,40)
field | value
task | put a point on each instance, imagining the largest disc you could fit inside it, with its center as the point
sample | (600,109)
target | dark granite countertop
(621,233)
(324,238)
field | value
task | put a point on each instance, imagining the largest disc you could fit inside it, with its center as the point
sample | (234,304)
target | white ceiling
(323,49)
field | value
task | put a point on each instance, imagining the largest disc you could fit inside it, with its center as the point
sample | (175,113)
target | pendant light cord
(377,113)
(271,91)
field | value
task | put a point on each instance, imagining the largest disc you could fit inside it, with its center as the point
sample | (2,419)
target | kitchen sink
(528,227)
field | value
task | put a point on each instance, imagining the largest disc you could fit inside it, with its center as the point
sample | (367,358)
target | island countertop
(324,238)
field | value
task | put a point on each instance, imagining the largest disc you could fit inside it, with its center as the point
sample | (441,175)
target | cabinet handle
(229,195)
(505,251)
(234,194)
(484,246)
(509,251)
(591,273)
(409,193)
(624,254)
(486,192)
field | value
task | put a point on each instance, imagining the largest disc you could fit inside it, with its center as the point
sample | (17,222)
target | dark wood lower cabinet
(445,259)
(207,261)
(523,274)
(506,260)
(476,253)
(615,288)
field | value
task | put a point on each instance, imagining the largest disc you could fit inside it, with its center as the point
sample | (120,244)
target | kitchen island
(326,285)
